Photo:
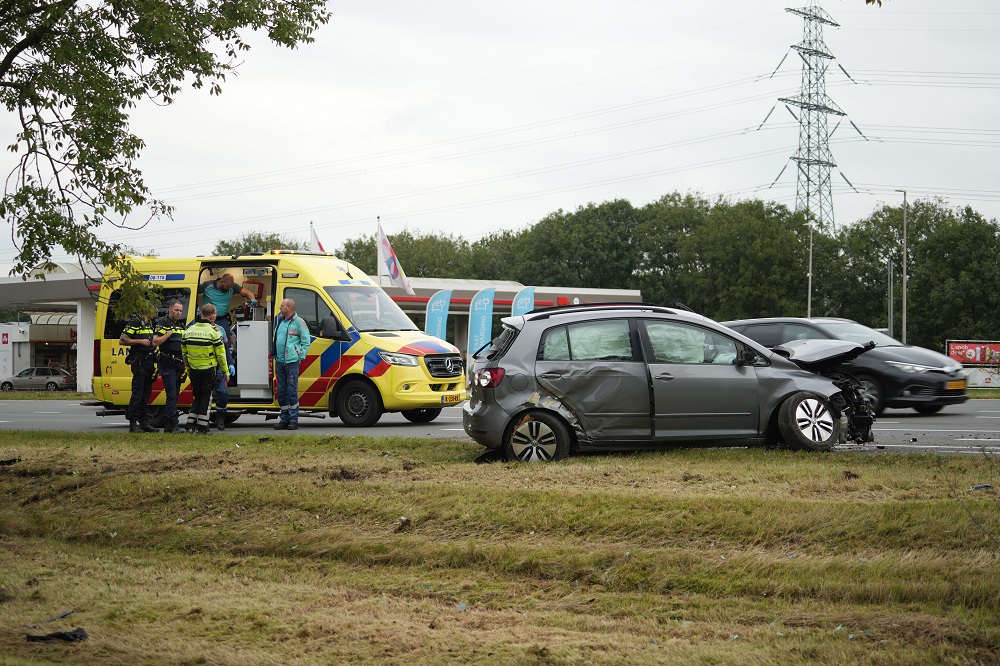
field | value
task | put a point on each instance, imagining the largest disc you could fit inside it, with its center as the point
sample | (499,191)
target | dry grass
(310,550)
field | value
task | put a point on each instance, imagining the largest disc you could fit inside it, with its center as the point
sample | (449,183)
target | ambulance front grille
(444,365)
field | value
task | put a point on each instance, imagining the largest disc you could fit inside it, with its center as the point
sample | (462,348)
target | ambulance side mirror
(331,328)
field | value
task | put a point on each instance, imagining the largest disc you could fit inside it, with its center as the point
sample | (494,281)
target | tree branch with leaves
(72,71)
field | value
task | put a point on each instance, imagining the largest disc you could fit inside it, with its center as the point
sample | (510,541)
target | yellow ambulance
(365,357)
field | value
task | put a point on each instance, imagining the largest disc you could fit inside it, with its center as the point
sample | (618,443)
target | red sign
(5,339)
(974,352)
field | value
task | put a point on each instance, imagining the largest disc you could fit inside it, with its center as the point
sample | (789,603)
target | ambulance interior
(250,328)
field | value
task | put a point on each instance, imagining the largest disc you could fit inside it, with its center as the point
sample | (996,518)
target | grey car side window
(589,341)
(679,343)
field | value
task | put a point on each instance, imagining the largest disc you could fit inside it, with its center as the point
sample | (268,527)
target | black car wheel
(6,386)
(872,392)
(52,386)
(928,409)
(537,437)
(358,405)
(420,415)
(806,421)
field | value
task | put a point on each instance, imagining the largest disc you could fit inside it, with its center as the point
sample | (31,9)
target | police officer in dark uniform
(168,332)
(138,336)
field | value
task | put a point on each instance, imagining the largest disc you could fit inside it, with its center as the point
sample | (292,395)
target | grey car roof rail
(545,313)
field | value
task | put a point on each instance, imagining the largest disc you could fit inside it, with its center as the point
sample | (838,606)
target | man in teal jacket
(288,347)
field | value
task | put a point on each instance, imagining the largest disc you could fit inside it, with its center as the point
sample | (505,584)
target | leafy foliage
(257,241)
(71,71)
(745,259)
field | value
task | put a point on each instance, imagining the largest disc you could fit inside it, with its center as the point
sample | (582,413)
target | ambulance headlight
(398,359)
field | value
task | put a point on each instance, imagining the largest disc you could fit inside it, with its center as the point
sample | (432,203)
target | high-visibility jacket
(203,349)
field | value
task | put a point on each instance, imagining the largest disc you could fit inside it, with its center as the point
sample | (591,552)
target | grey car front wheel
(537,437)
(807,421)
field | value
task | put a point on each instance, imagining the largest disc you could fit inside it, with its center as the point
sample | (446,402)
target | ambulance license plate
(451,399)
(952,386)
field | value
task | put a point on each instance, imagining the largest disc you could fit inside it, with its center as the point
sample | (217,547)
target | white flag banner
(314,244)
(388,264)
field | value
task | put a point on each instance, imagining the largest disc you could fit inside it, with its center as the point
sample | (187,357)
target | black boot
(170,427)
(133,426)
(145,427)
(220,421)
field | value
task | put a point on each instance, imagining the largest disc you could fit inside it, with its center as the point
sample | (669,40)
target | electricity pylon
(813,191)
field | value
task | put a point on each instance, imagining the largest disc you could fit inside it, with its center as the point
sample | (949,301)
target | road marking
(929,430)
(48,412)
(978,439)
(452,429)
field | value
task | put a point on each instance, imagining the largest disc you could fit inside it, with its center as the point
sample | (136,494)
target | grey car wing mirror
(747,357)
(331,328)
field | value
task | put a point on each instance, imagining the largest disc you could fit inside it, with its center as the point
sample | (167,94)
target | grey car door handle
(550,375)
(666,376)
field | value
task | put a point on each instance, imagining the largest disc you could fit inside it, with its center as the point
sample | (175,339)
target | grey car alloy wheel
(537,437)
(806,421)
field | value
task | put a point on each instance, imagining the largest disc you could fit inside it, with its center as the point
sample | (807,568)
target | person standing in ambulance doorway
(204,353)
(141,358)
(219,292)
(168,333)
(288,348)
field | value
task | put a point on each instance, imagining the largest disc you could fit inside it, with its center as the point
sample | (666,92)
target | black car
(892,374)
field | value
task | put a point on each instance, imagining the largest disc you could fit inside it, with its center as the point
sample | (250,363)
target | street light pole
(904,264)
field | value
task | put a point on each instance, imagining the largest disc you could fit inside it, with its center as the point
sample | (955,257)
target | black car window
(673,342)
(43,372)
(768,335)
(802,332)
(500,344)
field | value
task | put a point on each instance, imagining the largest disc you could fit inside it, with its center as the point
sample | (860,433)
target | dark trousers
(142,388)
(287,375)
(220,392)
(202,382)
(170,373)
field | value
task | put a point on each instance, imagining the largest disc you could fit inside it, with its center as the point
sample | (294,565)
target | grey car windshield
(370,309)
(855,332)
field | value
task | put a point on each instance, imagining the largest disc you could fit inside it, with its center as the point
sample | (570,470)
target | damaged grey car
(621,377)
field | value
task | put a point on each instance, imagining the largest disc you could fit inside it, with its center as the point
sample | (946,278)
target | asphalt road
(970,428)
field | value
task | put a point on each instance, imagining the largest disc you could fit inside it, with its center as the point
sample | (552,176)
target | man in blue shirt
(288,348)
(219,292)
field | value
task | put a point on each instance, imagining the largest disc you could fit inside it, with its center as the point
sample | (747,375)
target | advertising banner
(436,323)
(480,320)
(973,352)
(524,301)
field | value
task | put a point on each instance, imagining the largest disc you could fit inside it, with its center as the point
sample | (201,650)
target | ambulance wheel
(156,416)
(358,405)
(420,415)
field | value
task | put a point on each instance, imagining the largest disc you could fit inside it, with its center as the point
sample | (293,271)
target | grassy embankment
(320,550)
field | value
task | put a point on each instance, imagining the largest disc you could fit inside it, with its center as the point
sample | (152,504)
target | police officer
(203,352)
(168,332)
(138,337)
(221,390)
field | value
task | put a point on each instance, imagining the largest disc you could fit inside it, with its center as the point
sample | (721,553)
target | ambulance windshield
(370,309)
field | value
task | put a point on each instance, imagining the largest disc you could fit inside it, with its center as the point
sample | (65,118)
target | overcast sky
(468,118)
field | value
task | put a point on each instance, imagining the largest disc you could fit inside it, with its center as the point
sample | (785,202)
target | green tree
(747,259)
(665,222)
(71,71)
(421,255)
(257,241)
(498,256)
(595,246)
(954,287)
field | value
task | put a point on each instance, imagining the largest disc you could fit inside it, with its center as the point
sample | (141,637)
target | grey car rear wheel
(806,421)
(6,386)
(537,437)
